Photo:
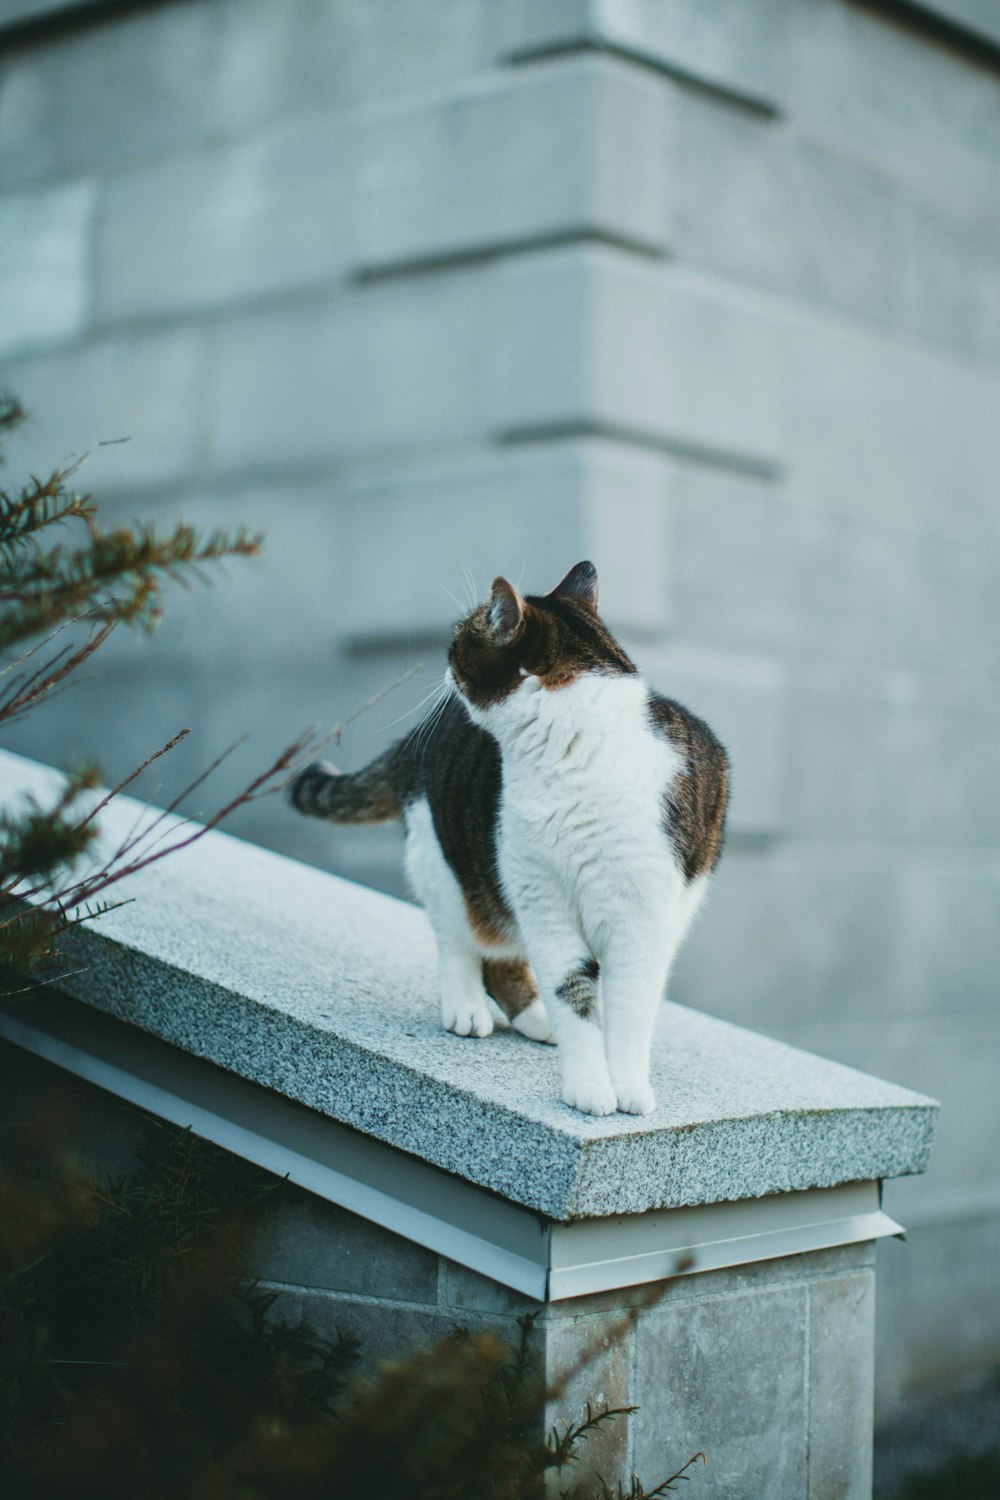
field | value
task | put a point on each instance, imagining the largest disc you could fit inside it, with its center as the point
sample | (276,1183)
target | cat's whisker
(436,693)
(425,730)
(471,582)
(463,609)
(425,699)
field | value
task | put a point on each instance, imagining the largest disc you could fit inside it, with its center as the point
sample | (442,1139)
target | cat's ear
(580,583)
(506,611)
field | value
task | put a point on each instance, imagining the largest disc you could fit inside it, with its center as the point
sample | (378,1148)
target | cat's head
(512,644)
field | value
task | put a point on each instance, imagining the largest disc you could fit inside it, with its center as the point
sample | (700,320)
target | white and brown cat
(562,822)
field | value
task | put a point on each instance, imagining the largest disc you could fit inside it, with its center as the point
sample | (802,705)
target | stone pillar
(711,1264)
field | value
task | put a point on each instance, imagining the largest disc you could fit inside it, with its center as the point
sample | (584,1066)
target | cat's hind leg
(512,985)
(464,1005)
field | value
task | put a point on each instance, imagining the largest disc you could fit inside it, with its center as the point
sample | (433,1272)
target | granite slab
(325,992)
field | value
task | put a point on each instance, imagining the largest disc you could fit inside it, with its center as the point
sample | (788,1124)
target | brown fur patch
(694,806)
(481,910)
(511,983)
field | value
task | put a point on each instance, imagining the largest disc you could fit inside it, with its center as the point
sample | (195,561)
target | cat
(562,821)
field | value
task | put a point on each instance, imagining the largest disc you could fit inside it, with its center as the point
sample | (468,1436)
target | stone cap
(326,992)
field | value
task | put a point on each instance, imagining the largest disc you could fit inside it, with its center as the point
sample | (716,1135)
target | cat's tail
(367,796)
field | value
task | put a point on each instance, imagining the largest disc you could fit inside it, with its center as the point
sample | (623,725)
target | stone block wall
(766,1368)
(428,286)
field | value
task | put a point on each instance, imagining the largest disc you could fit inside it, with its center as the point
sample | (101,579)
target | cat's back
(696,800)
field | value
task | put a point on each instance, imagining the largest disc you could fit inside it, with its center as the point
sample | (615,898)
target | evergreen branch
(128,780)
(26,693)
(39,841)
(40,645)
(118,576)
(666,1485)
(12,415)
(561,1447)
(135,836)
(91,886)
(39,504)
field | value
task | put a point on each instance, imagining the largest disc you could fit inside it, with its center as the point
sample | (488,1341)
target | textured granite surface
(325,991)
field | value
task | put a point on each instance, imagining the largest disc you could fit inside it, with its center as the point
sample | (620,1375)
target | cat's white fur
(587,870)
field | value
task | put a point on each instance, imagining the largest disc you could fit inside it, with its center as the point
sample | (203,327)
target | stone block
(753,1278)
(310,1243)
(752,570)
(296,583)
(44,260)
(383,1332)
(277,60)
(880,92)
(108,94)
(592,338)
(938,1296)
(840,760)
(727,1377)
(890,430)
(589,1361)
(946,283)
(795,932)
(143,388)
(841,1387)
(392,366)
(580,339)
(783,214)
(529,514)
(950,607)
(572,148)
(944,762)
(950,948)
(726,45)
(461,1291)
(235,223)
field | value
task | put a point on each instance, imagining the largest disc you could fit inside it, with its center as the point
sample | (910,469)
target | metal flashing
(541,1258)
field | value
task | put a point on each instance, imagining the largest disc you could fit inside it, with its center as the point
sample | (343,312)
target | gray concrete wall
(442,285)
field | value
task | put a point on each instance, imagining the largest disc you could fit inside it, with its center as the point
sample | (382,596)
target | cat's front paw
(636,1099)
(534,1022)
(466,1017)
(591,1096)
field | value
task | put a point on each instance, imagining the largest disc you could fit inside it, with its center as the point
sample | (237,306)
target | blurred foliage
(967,1477)
(84,587)
(136,1359)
